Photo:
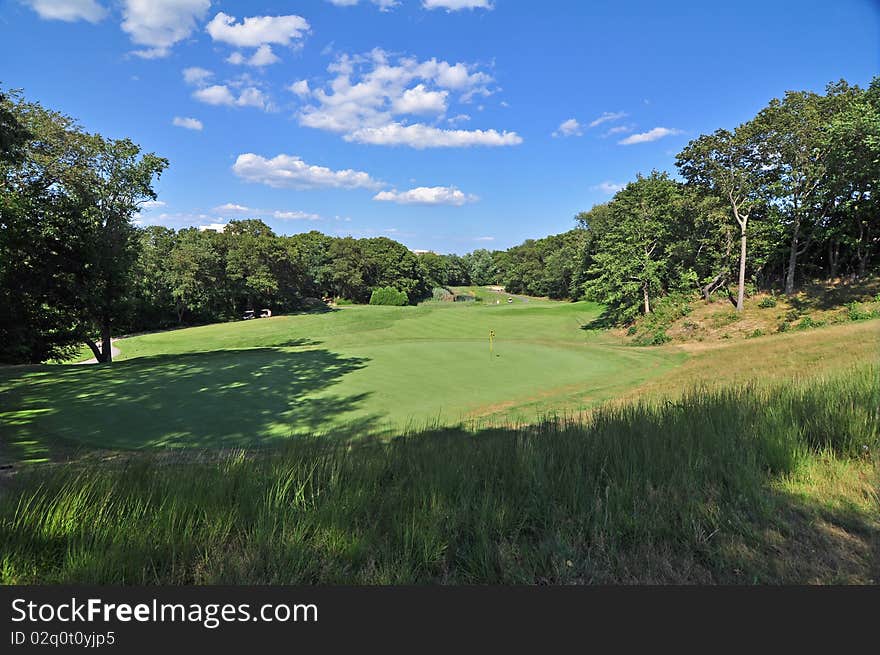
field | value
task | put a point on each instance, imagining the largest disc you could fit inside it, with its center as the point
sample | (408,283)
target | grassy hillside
(357,370)
(819,304)
(747,485)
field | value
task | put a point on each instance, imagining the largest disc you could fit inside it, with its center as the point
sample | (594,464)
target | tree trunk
(792,259)
(741,293)
(833,258)
(94,348)
(647,302)
(106,345)
(863,253)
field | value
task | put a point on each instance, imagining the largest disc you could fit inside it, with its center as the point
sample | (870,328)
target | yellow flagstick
(491,343)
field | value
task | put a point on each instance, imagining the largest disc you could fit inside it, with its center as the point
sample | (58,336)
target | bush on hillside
(389,296)
(650,330)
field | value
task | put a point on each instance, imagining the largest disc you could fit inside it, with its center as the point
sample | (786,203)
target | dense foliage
(785,197)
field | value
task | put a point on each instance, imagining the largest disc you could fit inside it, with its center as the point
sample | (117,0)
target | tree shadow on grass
(826,296)
(604,321)
(221,399)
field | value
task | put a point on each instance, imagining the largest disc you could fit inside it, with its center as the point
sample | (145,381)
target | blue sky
(445,124)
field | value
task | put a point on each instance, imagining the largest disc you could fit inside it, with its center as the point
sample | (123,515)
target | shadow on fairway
(227,398)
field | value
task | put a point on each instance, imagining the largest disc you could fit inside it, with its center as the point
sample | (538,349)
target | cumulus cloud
(187,123)
(256,31)
(456,5)
(421,136)
(290,171)
(196,76)
(437,195)
(216,94)
(159,24)
(264,56)
(233,208)
(650,135)
(300,88)
(240,92)
(151,204)
(418,100)
(569,128)
(484,239)
(68,10)
(371,96)
(608,116)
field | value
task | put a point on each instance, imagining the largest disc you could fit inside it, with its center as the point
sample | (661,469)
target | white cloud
(68,10)
(418,100)
(437,195)
(290,171)
(256,31)
(159,24)
(608,187)
(252,97)
(456,5)
(263,56)
(296,216)
(371,94)
(650,135)
(384,5)
(220,94)
(214,227)
(151,204)
(300,88)
(460,118)
(216,94)
(608,116)
(196,76)
(187,123)
(569,128)
(232,208)
(421,136)
(239,92)
(484,239)
(619,129)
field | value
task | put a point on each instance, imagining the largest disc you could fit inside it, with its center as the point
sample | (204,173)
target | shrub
(806,323)
(388,296)
(784,326)
(656,338)
(650,330)
(858,312)
(725,318)
(755,333)
(767,302)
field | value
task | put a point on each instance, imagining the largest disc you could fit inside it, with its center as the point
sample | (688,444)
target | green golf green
(355,370)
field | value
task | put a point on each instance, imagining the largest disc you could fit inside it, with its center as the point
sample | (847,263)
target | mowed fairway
(354,371)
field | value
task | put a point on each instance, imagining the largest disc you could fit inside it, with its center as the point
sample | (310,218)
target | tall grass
(643,492)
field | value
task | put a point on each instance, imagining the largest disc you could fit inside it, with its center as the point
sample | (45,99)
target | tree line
(787,196)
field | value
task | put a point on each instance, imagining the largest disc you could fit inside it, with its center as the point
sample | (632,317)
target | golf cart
(249,314)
